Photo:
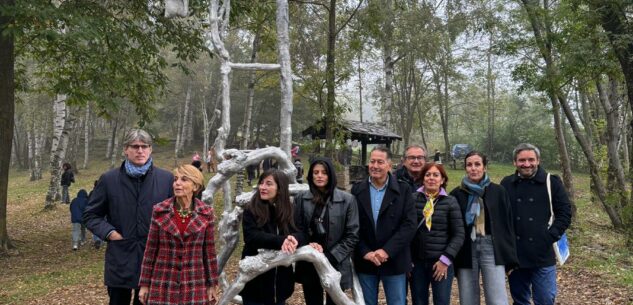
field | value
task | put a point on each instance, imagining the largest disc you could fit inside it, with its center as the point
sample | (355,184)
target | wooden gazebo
(363,132)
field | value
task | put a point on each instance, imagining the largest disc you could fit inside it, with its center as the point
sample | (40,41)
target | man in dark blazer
(387,225)
(527,188)
(119,211)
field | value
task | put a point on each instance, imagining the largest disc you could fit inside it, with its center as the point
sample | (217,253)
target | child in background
(77,207)
(67,178)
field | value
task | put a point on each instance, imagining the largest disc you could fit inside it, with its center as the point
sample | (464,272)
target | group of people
(401,229)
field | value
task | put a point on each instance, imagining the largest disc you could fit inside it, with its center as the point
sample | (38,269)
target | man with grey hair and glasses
(119,211)
(530,190)
(411,170)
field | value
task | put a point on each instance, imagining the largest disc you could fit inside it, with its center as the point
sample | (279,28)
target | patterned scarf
(475,191)
(428,210)
(137,171)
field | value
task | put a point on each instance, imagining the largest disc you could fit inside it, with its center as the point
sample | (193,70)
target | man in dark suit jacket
(387,225)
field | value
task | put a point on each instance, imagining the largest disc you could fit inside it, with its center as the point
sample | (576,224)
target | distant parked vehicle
(458,152)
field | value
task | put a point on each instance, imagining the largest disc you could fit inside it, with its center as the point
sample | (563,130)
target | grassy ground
(44,269)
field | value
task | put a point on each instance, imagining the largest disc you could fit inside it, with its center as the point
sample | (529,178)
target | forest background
(75,75)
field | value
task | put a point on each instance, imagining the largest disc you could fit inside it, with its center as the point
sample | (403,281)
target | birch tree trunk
(177,151)
(184,137)
(30,138)
(189,126)
(87,136)
(58,148)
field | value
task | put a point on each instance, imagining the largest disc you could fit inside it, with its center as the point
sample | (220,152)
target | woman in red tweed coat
(180,266)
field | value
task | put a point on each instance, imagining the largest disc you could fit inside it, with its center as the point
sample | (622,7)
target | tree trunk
(7,110)
(184,137)
(177,151)
(490,103)
(248,109)
(285,69)
(330,112)
(113,139)
(87,136)
(610,107)
(116,153)
(58,149)
(565,163)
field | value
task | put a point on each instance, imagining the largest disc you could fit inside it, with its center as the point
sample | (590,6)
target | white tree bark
(87,136)
(283,40)
(176,8)
(58,148)
(185,122)
(252,266)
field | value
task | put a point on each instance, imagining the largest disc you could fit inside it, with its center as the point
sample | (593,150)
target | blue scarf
(475,191)
(137,171)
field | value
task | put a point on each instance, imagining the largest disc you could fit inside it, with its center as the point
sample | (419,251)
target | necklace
(184,214)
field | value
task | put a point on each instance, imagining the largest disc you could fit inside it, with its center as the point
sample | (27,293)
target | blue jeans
(395,288)
(537,283)
(493,276)
(422,278)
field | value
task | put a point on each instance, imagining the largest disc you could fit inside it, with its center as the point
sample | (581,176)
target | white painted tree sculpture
(235,161)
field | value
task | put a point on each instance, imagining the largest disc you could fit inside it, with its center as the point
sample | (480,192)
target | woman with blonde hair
(179,265)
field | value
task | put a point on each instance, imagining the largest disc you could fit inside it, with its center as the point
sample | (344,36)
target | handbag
(561,247)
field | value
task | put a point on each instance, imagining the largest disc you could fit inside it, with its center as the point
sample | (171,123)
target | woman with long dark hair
(268,223)
(490,245)
(329,218)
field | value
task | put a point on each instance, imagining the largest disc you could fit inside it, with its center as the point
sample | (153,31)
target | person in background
(196,161)
(329,218)
(439,236)
(411,170)
(77,207)
(119,211)
(489,248)
(535,279)
(268,223)
(180,265)
(386,225)
(67,179)
(299,167)
(437,157)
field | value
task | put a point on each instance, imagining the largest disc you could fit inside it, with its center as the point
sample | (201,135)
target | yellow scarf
(428,210)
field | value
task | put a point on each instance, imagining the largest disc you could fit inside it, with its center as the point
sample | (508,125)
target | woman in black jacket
(329,218)
(438,238)
(268,223)
(489,247)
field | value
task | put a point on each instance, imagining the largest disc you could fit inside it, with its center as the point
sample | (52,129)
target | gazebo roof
(362,131)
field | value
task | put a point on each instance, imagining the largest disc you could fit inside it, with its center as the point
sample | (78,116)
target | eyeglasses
(413,158)
(136,146)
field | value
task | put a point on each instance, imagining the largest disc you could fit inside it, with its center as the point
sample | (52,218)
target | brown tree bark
(7,109)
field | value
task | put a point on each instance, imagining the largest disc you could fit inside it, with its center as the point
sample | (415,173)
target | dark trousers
(313,291)
(122,296)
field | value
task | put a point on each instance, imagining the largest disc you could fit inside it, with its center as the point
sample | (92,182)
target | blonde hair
(191,173)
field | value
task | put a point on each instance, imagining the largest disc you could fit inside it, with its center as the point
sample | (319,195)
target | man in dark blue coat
(119,211)
(527,188)
(387,222)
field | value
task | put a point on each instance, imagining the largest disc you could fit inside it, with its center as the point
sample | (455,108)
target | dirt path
(575,288)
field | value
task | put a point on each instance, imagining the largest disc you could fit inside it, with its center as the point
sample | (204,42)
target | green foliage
(102,51)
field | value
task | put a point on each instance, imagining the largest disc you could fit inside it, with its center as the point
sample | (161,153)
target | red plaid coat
(178,268)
